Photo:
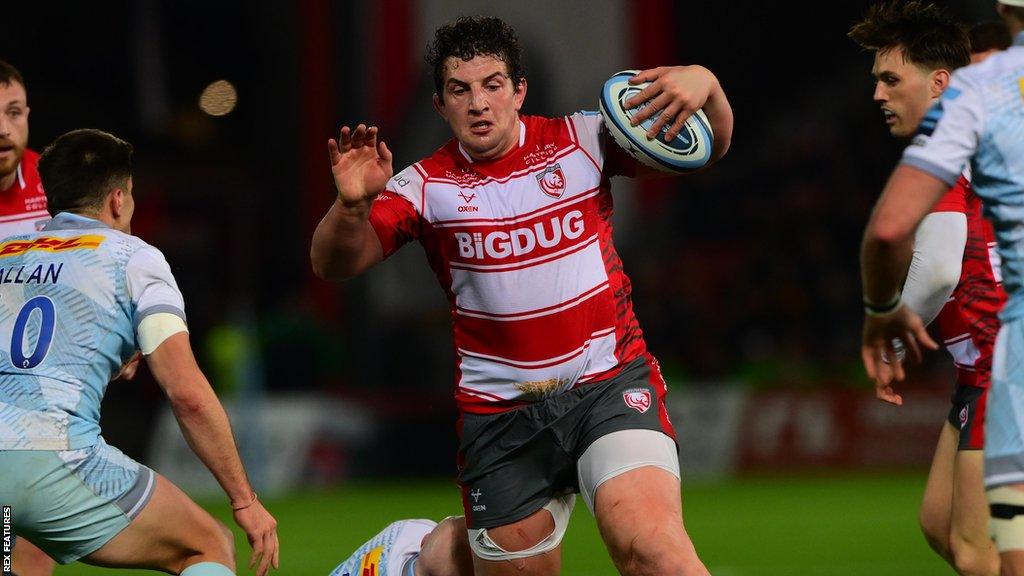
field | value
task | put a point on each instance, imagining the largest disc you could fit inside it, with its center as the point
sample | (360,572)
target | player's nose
(881,94)
(477,100)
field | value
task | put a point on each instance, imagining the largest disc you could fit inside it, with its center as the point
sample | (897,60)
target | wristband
(244,506)
(872,309)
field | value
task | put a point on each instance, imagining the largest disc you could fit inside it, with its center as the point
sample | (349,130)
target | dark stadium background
(744,275)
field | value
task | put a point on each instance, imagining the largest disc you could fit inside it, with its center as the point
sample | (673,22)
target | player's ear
(116,202)
(520,94)
(439,105)
(939,82)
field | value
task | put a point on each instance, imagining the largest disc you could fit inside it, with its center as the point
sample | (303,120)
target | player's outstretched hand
(878,342)
(261,530)
(678,91)
(361,164)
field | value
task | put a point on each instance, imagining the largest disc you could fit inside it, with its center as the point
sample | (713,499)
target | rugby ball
(688,151)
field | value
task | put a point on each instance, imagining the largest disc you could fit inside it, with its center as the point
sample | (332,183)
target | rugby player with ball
(557,392)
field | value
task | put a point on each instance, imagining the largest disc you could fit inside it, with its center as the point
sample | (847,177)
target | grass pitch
(863,525)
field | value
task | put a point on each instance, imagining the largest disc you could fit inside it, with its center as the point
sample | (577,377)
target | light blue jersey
(980,120)
(71,299)
(392,552)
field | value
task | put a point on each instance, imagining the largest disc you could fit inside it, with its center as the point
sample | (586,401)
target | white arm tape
(938,258)
(156,328)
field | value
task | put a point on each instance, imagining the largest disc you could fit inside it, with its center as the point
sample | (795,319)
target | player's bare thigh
(640,516)
(171,533)
(28,560)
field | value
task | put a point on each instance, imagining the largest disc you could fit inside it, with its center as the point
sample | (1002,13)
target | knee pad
(486,549)
(1006,526)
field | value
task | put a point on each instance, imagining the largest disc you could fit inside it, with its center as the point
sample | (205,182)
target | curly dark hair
(928,35)
(471,36)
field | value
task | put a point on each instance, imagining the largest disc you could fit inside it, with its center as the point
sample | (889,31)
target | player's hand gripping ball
(688,151)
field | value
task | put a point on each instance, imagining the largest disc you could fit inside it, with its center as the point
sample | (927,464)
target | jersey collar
(522,139)
(19,182)
(69,221)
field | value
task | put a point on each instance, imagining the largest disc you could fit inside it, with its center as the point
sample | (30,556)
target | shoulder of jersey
(993,66)
(30,156)
(133,243)
(30,167)
(406,183)
(552,129)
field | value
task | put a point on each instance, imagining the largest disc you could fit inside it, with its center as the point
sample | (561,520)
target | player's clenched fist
(361,165)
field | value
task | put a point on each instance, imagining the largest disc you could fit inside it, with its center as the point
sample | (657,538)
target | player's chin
(475,139)
(478,146)
(8,166)
(900,131)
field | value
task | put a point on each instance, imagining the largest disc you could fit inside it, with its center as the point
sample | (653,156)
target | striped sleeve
(395,214)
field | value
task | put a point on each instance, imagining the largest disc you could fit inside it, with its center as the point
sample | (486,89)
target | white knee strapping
(619,452)
(560,509)
(1007,522)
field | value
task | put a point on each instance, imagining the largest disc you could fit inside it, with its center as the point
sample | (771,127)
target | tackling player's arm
(680,91)
(344,243)
(885,253)
(162,336)
(207,430)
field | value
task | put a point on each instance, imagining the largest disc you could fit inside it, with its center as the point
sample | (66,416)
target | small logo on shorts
(638,399)
(963,417)
(476,498)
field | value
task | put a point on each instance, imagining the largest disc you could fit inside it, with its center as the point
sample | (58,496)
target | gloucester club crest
(638,399)
(552,181)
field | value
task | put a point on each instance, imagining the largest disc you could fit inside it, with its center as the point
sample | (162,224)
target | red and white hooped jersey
(969,321)
(23,205)
(522,246)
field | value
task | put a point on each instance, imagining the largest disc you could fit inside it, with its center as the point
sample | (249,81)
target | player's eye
(494,86)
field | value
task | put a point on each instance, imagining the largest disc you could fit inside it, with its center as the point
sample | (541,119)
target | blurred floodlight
(219,98)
